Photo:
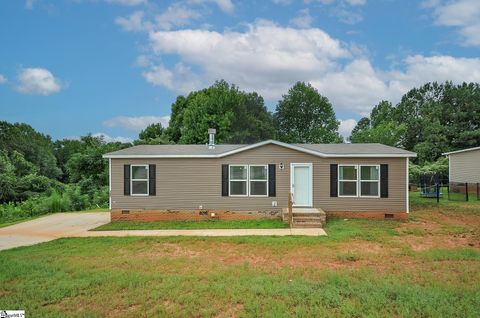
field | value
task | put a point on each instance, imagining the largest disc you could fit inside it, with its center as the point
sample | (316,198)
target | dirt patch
(427,242)
(171,250)
(231,311)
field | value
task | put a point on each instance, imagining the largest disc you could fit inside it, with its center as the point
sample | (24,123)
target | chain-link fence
(463,191)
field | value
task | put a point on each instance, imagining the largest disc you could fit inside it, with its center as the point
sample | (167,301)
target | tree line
(39,175)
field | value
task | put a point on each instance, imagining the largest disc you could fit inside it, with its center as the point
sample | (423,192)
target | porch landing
(305,217)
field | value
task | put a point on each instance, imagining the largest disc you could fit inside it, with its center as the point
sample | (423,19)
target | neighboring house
(158,182)
(464,167)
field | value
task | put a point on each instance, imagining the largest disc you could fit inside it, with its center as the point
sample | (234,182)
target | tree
(34,146)
(305,116)
(430,120)
(153,134)
(381,127)
(238,117)
(440,118)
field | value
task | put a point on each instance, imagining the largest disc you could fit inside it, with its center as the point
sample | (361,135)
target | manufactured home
(165,182)
(464,167)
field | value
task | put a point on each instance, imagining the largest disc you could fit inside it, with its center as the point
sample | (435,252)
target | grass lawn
(428,266)
(207,224)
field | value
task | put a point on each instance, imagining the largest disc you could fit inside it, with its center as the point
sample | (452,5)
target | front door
(301,184)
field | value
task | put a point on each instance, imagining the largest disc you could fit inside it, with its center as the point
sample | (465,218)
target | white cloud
(175,16)
(461,14)
(127,2)
(135,124)
(29,4)
(346,127)
(303,19)
(224,5)
(261,58)
(134,22)
(282,2)
(3,79)
(346,11)
(346,15)
(37,81)
(108,138)
(356,2)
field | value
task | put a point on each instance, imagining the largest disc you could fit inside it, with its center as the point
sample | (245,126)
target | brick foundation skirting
(367,215)
(190,215)
(199,215)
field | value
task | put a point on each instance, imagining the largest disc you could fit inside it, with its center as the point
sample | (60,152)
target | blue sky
(111,67)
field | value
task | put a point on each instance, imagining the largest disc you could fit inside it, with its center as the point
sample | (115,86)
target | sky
(111,67)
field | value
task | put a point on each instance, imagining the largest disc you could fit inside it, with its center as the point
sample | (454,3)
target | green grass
(207,277)
(459,254)
(207,224)
(428,266)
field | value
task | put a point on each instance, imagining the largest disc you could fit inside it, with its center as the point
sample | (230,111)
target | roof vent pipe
(211,138)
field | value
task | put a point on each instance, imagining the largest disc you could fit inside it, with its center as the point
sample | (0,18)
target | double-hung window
(369,181)
(359,181)
(248,180)
(139,180)
(238,180)
(347,180)
(258,180)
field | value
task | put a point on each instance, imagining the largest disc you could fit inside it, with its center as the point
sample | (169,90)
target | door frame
(309,165)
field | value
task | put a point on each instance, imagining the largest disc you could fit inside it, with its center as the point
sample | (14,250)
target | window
(347,181)
(238,180)
(258,180)
(139,181)
(369,181)
(359,180)
(248,180)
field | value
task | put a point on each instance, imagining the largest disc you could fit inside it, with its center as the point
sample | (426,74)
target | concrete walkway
(207,232)
(50,227)
(78,224)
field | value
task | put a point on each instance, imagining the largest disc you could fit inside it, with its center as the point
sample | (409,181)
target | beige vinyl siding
(465,166)
(190,183)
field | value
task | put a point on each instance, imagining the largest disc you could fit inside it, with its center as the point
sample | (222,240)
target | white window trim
(243,180)
(360,181)
(147,179)
(346,180)
(248,194)
(258,180)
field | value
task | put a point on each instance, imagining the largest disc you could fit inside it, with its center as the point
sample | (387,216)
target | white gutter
(459,151)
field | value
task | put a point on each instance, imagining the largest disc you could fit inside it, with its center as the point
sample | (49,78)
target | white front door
(301,184)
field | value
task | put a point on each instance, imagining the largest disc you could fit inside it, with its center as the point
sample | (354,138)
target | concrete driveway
(50,227)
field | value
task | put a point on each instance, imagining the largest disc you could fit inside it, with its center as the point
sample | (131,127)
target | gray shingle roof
(350,149)
(221,150)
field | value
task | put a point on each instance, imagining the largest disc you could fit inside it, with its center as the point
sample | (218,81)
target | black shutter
(224,180)
(126,179)
(384,181)
(334,180)
(152,177)
(272,181)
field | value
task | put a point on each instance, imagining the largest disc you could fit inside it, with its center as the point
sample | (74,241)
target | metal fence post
(438,192)
(466,191)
